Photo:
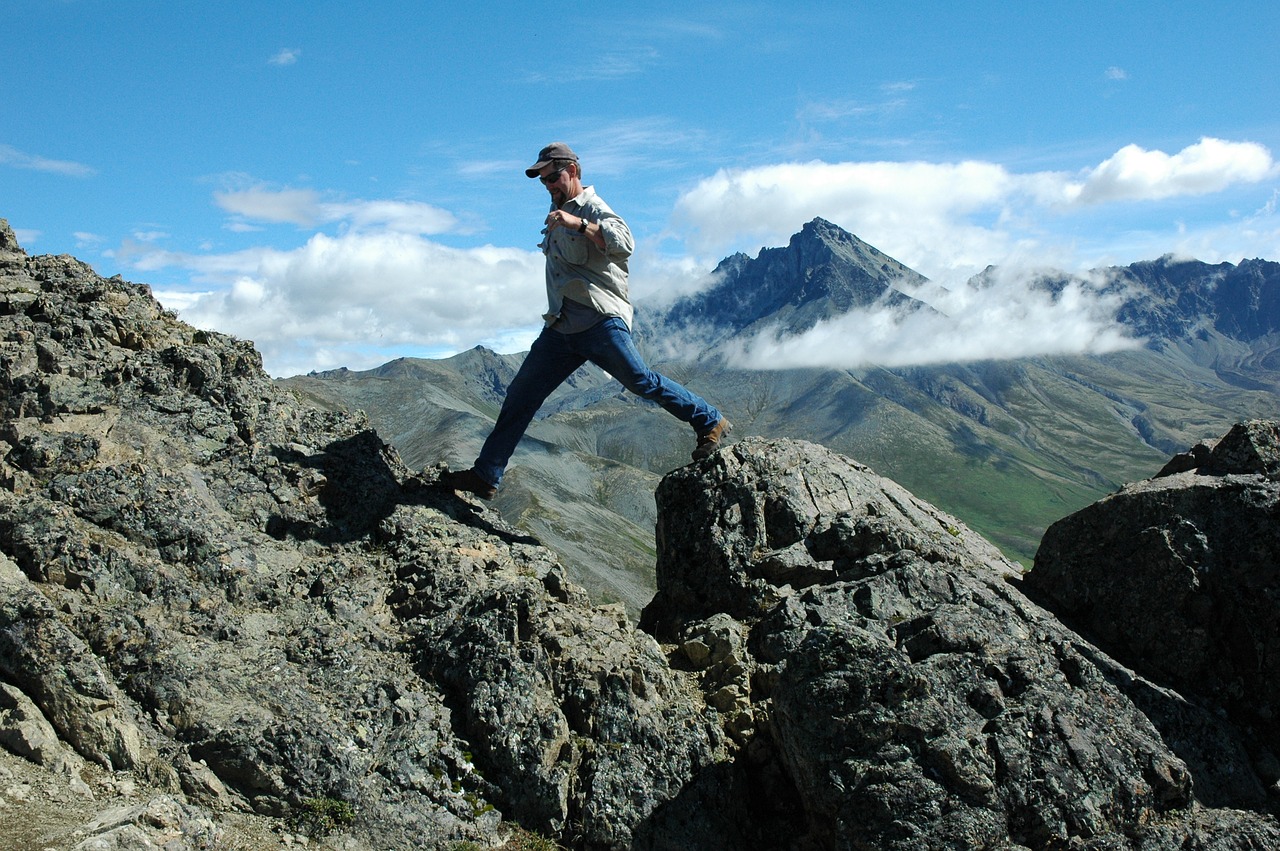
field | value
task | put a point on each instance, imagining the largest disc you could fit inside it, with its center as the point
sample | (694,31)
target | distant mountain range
(1009,446)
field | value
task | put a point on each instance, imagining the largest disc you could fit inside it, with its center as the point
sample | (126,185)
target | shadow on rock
(357,482)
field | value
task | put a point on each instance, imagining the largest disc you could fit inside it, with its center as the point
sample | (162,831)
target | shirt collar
(580,199)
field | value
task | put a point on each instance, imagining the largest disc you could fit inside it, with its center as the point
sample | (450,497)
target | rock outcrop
(246,604)
(1178,577)
(876,654)
(253,604)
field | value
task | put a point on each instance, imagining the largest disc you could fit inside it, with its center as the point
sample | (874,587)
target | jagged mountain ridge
(1169,298)
(825,271)
(1180,297)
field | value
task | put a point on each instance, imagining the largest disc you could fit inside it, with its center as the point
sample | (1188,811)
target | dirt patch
(42,810)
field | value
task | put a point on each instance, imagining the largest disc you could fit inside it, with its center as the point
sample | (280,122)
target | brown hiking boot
(709,441)
(468,481)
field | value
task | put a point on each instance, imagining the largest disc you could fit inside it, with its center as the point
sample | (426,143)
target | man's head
(559,170)
(555,152)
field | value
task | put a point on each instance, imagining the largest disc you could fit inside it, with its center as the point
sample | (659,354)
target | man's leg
(549,362)
(609,346)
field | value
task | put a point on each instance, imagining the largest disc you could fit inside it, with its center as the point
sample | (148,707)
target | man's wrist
(582,226)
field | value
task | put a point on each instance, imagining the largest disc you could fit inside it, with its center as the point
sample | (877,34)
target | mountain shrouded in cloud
(830,300)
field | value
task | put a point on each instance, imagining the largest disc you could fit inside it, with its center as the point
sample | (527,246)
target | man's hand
(561,219)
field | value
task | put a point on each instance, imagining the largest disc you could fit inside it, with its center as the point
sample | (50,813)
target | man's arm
(615,237)
(595,233)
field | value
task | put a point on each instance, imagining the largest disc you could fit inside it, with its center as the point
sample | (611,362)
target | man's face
(558,182)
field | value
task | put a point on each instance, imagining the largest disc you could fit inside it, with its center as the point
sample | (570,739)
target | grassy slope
(1008,447)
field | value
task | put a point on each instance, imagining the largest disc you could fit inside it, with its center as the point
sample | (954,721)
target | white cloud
(362,298)
(948,218)
(307,208)
(910,210)
(33,162)
(1115,72)
(285,56)
(297,206)
(605,65)
(1210,165)
(1009,318)
(658,281)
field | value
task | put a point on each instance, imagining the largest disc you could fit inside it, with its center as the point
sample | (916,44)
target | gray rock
(253,604)
(764,519)
(917,699)
(24,729)
(1176,577)
(160,823)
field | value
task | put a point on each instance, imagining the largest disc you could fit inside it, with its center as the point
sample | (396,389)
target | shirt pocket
(571,247)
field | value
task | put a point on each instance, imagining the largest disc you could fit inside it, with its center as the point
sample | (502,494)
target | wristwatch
(582,228)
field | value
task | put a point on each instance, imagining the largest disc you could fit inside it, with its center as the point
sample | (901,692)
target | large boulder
(774,515)
(1178,577)
(885,676)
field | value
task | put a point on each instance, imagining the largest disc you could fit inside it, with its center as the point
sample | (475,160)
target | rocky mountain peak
(819,237)
(823,272)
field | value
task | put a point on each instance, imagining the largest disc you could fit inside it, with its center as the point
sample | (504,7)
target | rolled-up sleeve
(618,242)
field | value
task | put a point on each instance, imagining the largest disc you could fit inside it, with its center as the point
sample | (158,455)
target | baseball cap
(554,151)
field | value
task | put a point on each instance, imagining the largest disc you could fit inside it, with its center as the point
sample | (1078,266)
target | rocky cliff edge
(221,602)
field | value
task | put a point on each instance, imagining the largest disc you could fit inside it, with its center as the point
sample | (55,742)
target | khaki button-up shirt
(577,269)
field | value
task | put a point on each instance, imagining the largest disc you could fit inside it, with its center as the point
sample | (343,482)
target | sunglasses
(548,179)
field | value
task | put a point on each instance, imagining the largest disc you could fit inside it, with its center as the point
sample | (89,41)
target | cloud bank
(361,299)
(372,280)
(1009,316)
(946,218)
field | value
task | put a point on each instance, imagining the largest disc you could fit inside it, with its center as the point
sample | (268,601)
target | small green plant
(322,816)
(527,840)
(479,806)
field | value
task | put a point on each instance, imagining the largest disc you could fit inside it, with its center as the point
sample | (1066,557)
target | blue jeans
(553,358)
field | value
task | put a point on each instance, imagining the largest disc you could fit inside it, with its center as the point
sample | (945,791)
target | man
(588,318)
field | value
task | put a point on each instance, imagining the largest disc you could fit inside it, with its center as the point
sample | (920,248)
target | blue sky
(343,183)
